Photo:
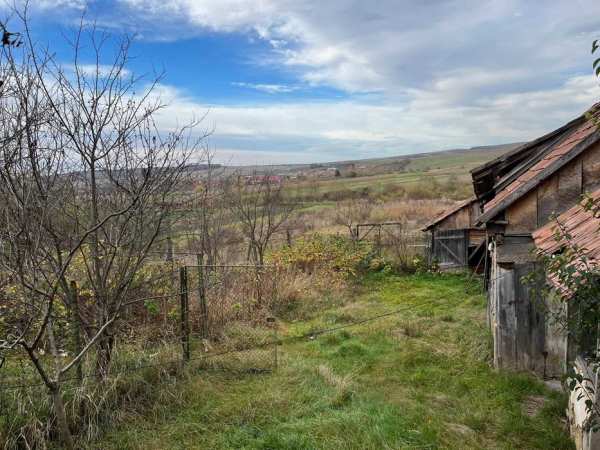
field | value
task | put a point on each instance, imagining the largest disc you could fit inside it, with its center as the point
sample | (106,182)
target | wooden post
(202,297)
(466,235)
(76,328)
(185,326)
(271,321)
(171,262)
(432,248)
(169,255)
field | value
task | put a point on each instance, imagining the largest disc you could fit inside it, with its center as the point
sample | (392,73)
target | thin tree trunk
(61,418)
(76,324)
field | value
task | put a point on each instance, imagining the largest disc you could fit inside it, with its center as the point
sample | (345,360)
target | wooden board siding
(553,196)
(569,185)
(458,220)
(547,197)
(556,336)
(459,216)
(507,320)
(475,212)
(591,169)
(476,236)
(523,338)
(522,215)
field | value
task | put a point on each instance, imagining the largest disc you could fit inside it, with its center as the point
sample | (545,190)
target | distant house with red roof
(264,179)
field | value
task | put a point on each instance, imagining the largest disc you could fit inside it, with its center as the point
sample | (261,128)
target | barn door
(451,247)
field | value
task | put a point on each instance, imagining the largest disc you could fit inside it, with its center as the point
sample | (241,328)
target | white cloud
(268,88)
(103,70)
(392,45)
(450,73)
(44,5)
(304,132)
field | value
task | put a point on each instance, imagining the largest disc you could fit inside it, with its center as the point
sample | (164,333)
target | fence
(392,239)
(218,316)
(226,310)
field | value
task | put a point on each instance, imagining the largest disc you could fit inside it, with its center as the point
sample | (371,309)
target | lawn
(419,378)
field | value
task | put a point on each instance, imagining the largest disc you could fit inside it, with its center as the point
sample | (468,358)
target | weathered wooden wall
(458,220)
(524,338)
(556,194)
(591,169)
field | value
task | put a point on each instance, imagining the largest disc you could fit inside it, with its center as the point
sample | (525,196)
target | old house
(520,192)
(455,240)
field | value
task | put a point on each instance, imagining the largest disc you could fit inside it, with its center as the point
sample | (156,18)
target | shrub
(332,256)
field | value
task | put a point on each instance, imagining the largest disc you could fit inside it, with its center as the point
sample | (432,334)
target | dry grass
(343,385)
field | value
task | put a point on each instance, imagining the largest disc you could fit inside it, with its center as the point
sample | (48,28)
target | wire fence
(217,318)
(268,343)
(393,240)
(200,311)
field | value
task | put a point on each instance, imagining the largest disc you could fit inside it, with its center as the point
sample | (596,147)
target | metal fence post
(185,325)
(271,321)
(202,297)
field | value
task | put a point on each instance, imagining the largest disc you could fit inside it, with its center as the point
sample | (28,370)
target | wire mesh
(230,309)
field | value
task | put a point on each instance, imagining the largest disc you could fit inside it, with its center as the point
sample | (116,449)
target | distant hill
(468,157)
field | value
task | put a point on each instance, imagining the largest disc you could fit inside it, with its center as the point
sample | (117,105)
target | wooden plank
(507,326)
(457,259)
(591,169)
(569,185)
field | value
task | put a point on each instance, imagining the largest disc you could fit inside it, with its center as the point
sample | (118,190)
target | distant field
(466,160)
(437,175)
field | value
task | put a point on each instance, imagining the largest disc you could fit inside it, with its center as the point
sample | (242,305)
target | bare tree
(261,207)
(352,212)
(211,216)
(86,175)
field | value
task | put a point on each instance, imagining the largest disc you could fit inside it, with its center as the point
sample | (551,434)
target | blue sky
(305,81)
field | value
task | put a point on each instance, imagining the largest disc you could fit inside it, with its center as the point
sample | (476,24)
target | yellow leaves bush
(328,255)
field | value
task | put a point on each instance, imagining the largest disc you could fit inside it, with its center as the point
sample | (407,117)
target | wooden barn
(456,241)
(520,193)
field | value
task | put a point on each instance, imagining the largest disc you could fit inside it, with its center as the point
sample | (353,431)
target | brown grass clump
(343,386)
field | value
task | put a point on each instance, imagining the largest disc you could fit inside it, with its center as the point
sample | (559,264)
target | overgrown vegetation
(385,384)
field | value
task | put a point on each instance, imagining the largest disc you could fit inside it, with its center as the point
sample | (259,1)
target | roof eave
(548,171)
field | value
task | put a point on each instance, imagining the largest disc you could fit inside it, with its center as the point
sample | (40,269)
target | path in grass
(419,379)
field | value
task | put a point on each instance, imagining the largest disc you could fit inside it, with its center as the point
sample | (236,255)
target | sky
(295,81)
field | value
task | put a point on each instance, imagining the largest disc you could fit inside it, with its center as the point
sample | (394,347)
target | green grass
(466,160)
(418,379)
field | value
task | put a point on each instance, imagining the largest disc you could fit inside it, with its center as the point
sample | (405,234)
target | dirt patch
(533,405)
(459,428)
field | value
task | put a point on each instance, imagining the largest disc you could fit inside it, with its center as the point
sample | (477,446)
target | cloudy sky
(323,80)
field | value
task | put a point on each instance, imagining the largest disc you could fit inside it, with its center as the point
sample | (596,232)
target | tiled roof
(583,228)
(577,222)
(550,162)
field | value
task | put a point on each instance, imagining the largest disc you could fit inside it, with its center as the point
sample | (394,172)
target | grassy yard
(417,379)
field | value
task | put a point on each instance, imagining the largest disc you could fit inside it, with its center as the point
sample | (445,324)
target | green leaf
(598,71)
(595,46)
(596,63)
